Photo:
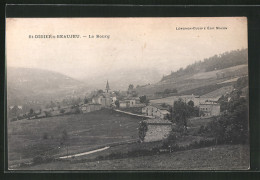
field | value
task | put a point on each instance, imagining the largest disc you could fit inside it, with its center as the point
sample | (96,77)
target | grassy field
(30,138)
(224,157)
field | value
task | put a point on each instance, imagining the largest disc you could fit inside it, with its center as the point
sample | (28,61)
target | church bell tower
(107,87)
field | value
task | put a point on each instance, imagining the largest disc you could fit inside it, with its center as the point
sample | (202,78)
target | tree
(181,112)
(223,101)
(142,130)
(232,127)
(100,91)
(31,111)
(191,103)
(14,111)
(85,100)
(117,103)
(143,99)
(130,87)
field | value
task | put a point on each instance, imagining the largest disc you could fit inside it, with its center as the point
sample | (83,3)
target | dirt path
(85,153)
(107,146)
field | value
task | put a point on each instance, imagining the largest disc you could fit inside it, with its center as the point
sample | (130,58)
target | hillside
(25,84)
(202,77)
(216,62)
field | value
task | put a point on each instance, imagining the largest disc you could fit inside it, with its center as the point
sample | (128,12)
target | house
(209,109)
(156,110)
(113,98)
(123,104)
(86,108)
(127,103)
(130,102)
(157,130)
(187,98)
(161,113)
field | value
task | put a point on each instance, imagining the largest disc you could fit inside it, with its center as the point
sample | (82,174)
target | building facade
(157,130)
(156,111)
(209,109)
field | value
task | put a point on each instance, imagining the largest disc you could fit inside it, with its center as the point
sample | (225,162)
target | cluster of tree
(131,91)
(15,111)
(231,127)
(180,113)
(221,61)
(235,94)
(167,91)
(64,102)
(29,115)
(144,99)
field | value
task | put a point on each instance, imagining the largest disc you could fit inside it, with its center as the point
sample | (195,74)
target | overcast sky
(143,43)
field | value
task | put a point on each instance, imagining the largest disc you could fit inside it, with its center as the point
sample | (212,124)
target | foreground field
(225,157)
(40,137)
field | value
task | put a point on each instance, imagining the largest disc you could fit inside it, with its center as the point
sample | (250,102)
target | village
(156,112)
(109,123)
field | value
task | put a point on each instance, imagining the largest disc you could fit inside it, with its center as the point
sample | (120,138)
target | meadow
(39,137)
(223,157)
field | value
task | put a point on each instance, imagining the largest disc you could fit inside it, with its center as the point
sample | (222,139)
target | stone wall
(157,132)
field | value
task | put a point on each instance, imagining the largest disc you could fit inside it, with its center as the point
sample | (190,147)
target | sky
(134,43)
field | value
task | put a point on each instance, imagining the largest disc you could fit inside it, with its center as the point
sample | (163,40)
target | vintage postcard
(127,93)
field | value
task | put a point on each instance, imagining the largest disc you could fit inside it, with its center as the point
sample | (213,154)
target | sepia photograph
(135,93)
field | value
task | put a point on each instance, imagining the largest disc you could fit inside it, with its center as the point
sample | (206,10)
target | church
(106,99)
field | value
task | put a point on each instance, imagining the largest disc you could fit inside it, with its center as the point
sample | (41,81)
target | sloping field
(210,91)
(235,70)
(225,157)
(219,92)
(30,138)
(190,84)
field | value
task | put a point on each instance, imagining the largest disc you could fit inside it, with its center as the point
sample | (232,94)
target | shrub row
(165,148)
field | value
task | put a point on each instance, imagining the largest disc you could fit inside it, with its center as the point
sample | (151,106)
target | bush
(142,130)
(171,139)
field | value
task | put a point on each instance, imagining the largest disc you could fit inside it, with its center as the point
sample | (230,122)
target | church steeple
(107,87)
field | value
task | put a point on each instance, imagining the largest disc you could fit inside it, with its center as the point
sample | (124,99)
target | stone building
(209,109)
(86,108)
(157,130)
